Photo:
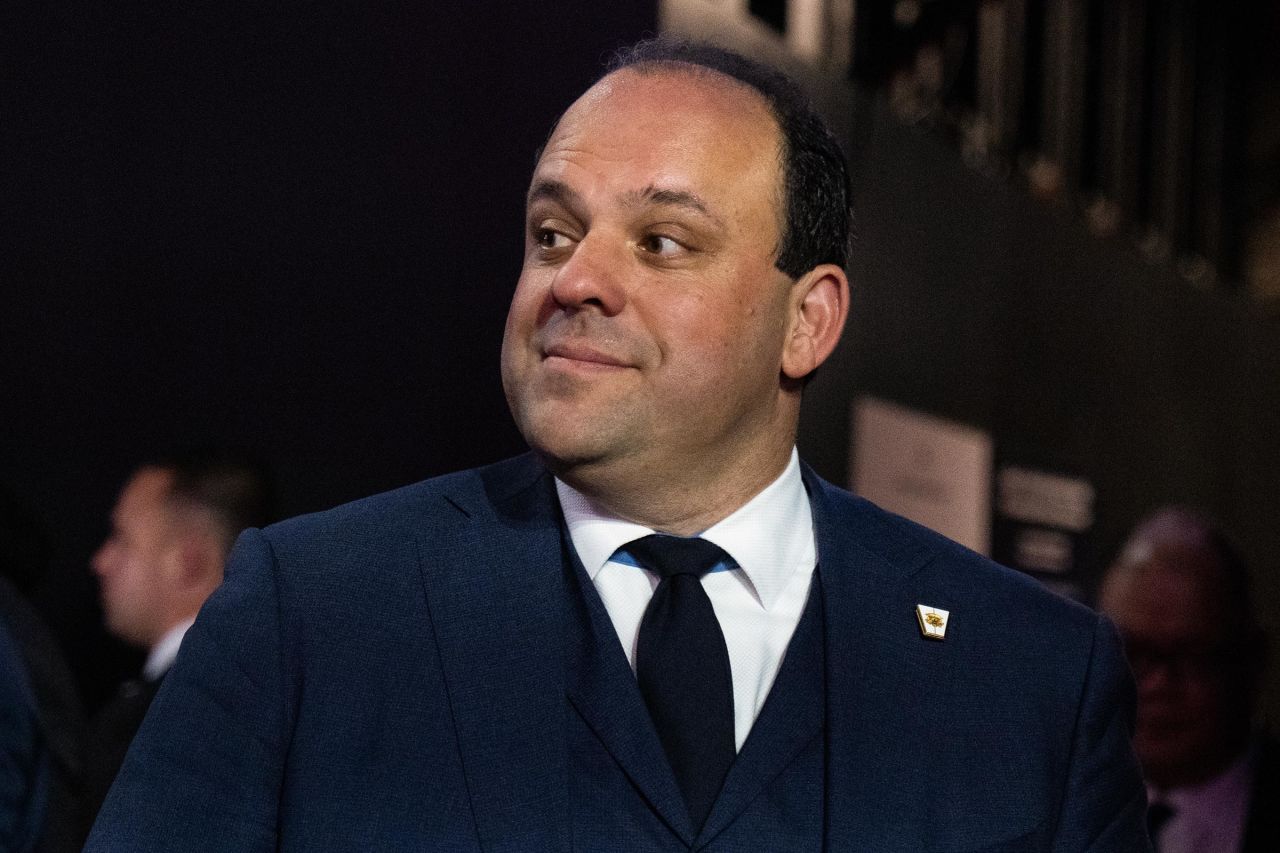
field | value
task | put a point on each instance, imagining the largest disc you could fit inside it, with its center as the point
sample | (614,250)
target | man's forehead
(666,94)
(667,135)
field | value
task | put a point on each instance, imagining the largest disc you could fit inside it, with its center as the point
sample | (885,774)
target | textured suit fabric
(392,675)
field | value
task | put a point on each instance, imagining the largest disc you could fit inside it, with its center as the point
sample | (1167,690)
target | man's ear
(819,307)
(194,558)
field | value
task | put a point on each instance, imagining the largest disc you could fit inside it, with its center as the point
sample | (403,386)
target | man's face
(1192,677)
(646,331)
(134,564)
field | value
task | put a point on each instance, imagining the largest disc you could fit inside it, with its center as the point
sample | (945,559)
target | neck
(681,507)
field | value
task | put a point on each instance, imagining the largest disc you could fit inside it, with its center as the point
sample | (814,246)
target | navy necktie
(682,666)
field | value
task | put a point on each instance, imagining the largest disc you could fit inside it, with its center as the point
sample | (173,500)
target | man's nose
(593,276)
(102,559)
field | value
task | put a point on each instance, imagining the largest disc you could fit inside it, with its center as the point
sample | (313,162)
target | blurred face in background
(1194,665)
(135,564)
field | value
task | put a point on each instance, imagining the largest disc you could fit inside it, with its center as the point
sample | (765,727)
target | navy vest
(623,795)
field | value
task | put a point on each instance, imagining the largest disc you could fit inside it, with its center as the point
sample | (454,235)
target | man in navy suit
(483,661)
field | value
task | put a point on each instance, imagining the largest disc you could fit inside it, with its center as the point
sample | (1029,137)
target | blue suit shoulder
(359,549)
(1028,687)
(409,510)
(1002,599)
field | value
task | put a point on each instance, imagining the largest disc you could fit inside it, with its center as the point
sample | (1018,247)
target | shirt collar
(770,537)
(162,654)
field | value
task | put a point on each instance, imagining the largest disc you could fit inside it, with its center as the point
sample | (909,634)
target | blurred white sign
(933,471)
(1051,499)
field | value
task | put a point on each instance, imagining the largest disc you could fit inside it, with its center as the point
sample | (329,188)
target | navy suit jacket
(389,675)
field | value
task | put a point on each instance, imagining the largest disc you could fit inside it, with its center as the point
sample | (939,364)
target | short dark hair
(232,485)
(818,214)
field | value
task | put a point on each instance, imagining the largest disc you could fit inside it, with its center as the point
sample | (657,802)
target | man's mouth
(581,355)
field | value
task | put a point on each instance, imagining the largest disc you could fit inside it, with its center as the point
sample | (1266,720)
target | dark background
(293,229)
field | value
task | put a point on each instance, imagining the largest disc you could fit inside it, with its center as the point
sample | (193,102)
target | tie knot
(667,556)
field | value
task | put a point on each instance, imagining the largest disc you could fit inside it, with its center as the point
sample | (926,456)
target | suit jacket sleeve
(205,770)
(1104,804)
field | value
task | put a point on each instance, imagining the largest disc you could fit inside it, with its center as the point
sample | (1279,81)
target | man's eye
(657,244)
(548,239)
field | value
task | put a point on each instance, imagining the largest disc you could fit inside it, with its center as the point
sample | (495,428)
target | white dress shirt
(162,654)
(758,605)
(1210,817)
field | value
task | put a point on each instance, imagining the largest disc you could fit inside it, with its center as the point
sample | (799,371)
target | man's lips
(583,355)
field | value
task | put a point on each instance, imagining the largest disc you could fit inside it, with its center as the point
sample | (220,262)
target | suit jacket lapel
(494,587)
(880,676)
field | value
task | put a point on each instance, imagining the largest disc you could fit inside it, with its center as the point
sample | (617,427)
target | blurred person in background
(1179,592)
(171,531)
(43,720)
(24,756)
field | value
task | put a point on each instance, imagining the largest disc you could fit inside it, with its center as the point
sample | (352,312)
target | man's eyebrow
(676,198)
(553,191)
(562,193)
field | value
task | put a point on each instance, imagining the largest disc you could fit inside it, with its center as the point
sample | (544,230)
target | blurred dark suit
(107,742)
(59,719)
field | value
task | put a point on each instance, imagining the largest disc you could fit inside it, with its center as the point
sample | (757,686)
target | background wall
(295,229)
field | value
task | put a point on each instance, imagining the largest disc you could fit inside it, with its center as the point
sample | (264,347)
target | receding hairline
(176,506)
(1179,541)
(649,67)
(705,74)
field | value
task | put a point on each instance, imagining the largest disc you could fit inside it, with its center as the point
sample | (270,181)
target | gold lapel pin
(933,622)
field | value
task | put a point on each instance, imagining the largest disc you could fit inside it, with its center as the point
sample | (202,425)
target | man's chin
(563,459)
(566,435)
(580,461)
